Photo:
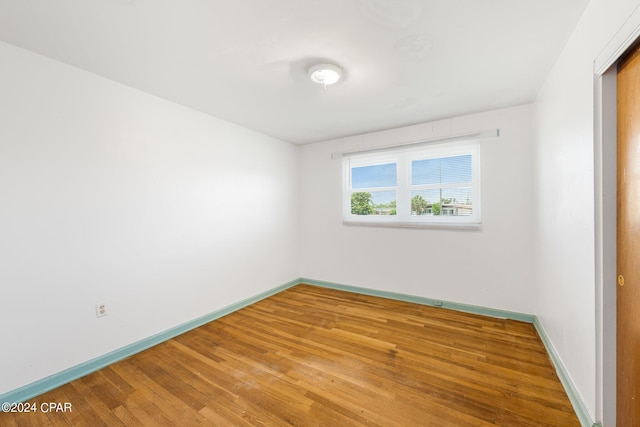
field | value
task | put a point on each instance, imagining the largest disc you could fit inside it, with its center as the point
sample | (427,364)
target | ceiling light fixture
(325,74)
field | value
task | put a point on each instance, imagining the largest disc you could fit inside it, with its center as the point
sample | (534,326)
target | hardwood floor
(322,357)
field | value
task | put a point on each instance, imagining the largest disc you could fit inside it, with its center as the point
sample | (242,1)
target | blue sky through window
(414,187)
(374,176)
(445,170)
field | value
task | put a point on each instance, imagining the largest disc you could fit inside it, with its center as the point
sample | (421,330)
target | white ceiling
(246,61)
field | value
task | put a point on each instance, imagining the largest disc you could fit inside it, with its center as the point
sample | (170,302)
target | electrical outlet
(101,310)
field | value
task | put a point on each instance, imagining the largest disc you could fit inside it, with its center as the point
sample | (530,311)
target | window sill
(432,226)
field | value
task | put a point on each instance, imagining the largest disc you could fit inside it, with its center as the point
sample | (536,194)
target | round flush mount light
(325,74)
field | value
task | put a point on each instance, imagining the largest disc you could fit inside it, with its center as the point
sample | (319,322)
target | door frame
(605,216)
(605,162)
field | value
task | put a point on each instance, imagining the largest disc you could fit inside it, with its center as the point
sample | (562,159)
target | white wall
(491,267)
(110,195)
(565,266)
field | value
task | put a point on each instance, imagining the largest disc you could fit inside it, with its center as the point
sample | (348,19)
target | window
(436,185)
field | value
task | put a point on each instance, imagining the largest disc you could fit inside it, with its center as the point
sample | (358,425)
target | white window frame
(403,158)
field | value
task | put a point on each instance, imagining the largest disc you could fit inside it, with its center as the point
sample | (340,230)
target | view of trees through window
(438,186)
(362,203)
(374,189)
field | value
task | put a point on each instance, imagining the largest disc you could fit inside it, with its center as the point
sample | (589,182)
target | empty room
(319,213)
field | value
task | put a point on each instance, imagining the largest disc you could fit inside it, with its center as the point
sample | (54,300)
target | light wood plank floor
(321,357)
